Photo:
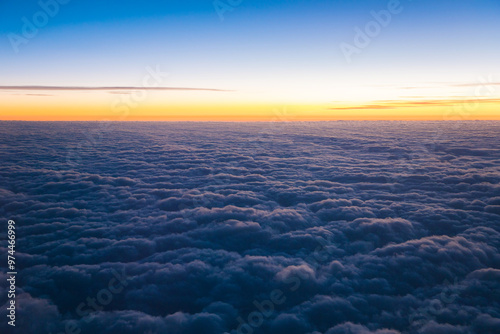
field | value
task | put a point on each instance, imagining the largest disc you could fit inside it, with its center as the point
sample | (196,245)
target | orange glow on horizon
(95,107)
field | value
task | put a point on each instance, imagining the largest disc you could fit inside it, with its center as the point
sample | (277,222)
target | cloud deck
(363,227)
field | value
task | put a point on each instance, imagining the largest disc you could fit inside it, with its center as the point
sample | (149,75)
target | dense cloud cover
(334,228)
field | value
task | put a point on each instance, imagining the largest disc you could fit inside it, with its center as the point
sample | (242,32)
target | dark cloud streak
(104,88)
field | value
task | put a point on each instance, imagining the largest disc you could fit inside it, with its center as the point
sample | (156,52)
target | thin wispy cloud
(105,88)
(475,84)
(393,104)
(434,85)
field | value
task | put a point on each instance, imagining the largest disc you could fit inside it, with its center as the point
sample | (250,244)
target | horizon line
(269,121)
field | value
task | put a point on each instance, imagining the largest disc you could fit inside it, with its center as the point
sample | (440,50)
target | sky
(246,60)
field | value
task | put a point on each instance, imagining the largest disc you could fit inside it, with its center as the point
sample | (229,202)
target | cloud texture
(253,228)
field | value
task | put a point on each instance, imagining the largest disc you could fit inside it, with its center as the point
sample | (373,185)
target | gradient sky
(266,60)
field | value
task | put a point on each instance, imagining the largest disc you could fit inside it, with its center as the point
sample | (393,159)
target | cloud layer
(253,228)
